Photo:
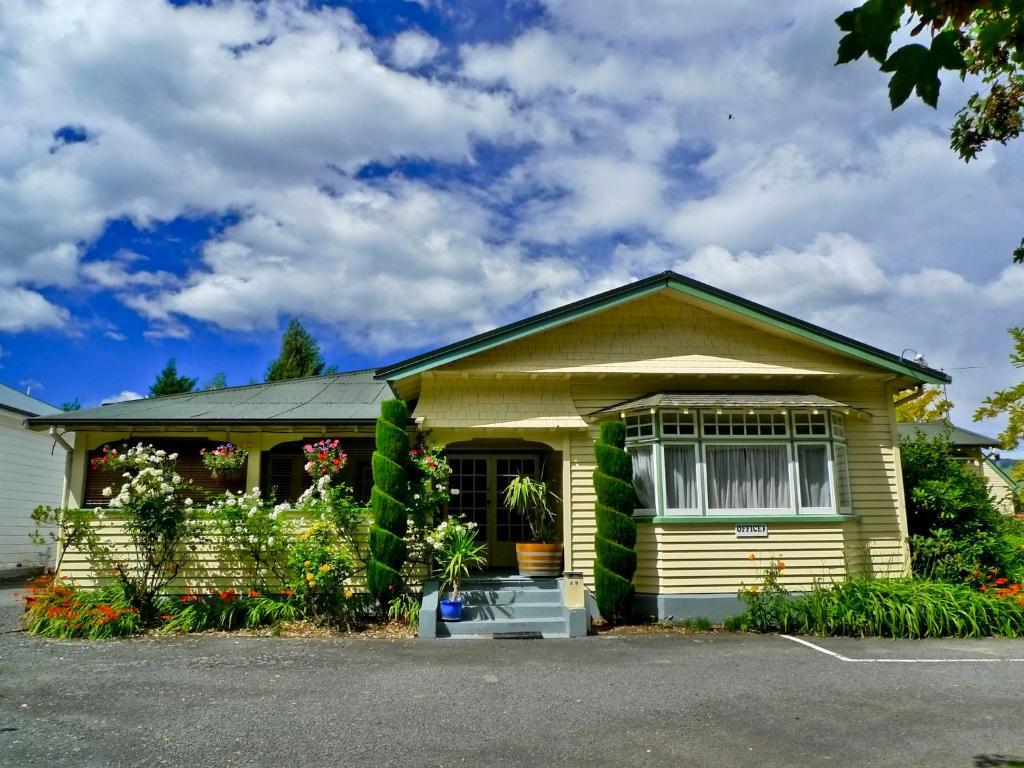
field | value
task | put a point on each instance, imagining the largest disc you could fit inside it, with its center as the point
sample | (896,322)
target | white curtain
(643,474)
(681,476)
(814,486)
(748,477)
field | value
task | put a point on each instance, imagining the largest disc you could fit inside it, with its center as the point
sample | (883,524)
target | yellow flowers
(349,593)
(307,564)
(325,568)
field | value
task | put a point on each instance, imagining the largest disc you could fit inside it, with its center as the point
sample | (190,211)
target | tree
(1008,401)
(983,38)
(932,405)
(389,502)
(72,405)
(168,382)
(615,540)
(300,355)
(219,381)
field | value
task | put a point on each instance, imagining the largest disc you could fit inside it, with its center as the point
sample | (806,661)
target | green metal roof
(963,438)
(25,405)
(653,284)
(345,397)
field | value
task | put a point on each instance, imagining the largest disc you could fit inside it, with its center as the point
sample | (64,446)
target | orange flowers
(189,598)
(751,556)
(253,593)
(780,565)
(287,592)
(229,596)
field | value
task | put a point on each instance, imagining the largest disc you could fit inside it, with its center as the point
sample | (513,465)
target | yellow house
(751,432)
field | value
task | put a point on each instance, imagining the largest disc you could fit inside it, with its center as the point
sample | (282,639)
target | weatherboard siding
(31,474)
(707,557)
(999,489)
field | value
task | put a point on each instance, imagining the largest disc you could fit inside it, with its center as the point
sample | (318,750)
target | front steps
(505,606)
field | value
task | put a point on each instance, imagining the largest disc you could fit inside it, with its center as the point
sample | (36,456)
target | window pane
(640,426)
(677,423)
(643,474)
(813,467)
(807,424)
(838,426)
(748,477)
(681,476)
(765,424)
(842,477)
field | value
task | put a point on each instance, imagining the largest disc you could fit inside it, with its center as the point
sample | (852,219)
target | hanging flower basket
(225,462)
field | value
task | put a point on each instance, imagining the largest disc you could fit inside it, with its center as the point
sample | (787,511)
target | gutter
(65,491)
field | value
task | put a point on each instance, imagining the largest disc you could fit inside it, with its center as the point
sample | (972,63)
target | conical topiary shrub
(388,502)
(616,530)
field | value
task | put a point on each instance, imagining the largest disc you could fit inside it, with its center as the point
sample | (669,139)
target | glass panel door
(510,526)
(470,477)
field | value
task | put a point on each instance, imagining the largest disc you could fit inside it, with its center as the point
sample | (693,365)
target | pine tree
(300,355)
(388,500)
(615,541)
(168,382)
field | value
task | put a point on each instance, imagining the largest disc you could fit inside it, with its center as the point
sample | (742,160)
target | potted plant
(531,498)
(225,461)
(457,553)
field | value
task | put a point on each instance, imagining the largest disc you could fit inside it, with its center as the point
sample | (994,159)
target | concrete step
(471,611)
(505,596)
(490,627)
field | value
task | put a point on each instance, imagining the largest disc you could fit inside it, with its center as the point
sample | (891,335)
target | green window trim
(717,519)
(703,513)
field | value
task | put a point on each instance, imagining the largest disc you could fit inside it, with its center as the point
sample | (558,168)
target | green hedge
(909,608)
(616,530)
(388,500)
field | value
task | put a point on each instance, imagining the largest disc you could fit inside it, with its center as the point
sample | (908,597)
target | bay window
(739,463)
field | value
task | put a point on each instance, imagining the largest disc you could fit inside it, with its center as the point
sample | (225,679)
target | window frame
(658,441)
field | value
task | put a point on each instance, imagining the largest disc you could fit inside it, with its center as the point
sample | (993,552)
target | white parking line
(847,659)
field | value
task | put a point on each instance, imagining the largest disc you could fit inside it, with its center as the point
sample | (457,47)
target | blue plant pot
(451,610)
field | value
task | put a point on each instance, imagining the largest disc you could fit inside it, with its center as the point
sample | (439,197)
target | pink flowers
(324,458)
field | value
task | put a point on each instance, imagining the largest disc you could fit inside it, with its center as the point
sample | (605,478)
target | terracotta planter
(539,559)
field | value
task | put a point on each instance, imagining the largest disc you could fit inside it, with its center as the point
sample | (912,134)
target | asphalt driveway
(705,700)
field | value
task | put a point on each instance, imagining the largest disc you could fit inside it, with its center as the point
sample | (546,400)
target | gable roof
(730,400)
(672,280)
(963,438)
(353,397)
(25,405)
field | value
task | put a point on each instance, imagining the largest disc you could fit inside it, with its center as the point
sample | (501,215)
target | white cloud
(121,397)
(411,49)
(25,310)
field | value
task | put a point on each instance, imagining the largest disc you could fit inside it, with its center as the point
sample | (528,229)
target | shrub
(405,609)
(616,531)
(227,610)
(255,536)
(319,564)
(56,609)
(768,604)
(388,502)
(909,608)
(956,532)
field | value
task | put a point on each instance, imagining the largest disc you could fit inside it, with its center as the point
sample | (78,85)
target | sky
(180,179)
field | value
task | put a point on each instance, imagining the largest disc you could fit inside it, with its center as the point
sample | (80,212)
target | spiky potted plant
(456,553)
(542,556)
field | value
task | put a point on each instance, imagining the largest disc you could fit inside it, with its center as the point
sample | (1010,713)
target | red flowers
(229,596)
(324,458)
(99,463)
(189,598)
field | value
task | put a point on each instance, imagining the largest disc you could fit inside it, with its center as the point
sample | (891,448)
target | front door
(481,481)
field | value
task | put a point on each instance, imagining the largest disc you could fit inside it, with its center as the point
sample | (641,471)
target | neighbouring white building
(31,473)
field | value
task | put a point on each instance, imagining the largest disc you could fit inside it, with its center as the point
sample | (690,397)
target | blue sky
(180,179)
